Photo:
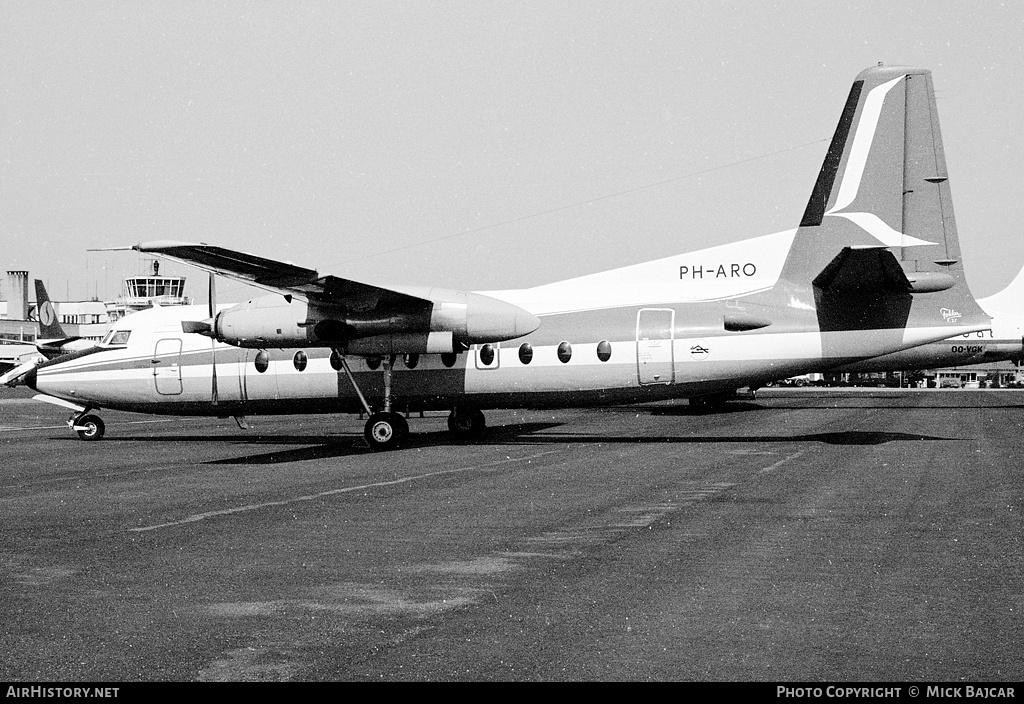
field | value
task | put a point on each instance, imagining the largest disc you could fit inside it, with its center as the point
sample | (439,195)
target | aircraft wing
(283,277)
(339,312)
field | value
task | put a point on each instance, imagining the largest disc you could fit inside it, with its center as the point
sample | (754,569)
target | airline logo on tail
(858,158)
(47,315)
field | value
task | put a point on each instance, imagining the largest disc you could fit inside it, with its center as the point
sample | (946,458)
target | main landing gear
(386,429)
(88,426)
(466,423)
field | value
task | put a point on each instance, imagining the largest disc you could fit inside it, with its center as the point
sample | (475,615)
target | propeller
(213,336)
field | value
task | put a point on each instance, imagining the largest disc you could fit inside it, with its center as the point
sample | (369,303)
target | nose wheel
(88,426)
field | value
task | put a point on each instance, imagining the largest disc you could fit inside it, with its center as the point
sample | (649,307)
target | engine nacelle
(429,321)
(402,343)
(268,321)
(474,318)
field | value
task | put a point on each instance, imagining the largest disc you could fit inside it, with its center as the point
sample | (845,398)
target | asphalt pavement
(808,535)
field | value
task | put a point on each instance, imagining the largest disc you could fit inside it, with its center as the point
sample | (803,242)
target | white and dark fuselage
(873,269)
(684,326)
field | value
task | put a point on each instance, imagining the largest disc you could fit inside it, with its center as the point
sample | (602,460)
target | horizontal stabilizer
(863,268)
(55,348)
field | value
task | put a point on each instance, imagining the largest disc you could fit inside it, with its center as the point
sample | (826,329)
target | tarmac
(808,535)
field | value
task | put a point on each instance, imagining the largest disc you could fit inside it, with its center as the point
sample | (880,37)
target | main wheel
(466,423)
(92,427)
(385,431)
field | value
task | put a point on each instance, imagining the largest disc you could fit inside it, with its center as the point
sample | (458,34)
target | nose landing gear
(88,426)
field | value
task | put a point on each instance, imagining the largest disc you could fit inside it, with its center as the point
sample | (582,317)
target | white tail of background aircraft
(1002,342)
(874,268)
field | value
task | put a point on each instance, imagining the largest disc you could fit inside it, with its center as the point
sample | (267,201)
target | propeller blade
(213,382)
(213,295)
(213,338)
(199,327)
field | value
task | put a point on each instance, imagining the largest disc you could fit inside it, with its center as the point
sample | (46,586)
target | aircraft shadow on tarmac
(725,409)
(852,437)
(326,447)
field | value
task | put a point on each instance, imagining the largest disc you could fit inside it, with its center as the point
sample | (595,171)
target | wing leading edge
(335,312)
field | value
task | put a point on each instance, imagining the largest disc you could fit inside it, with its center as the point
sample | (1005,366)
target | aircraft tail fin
(49,325)
(1010,299)
(52,338)
(883,186)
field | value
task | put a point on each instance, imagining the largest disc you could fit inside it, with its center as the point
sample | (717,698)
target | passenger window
(604,350)
(525,353)
(487,355)
(300,360)
(448,359)
(564,352)
(411,360)
(373,362)
(262,361)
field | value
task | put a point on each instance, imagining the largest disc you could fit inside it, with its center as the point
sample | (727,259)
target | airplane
(830,292)
(52,341)
(1003,341)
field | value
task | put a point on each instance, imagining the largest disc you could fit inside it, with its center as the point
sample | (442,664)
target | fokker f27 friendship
(873,269)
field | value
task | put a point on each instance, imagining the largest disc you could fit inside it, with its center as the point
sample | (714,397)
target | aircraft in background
(52,341)
(1002,342)
(828,293)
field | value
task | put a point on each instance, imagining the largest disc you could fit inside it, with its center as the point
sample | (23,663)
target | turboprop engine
(434,321)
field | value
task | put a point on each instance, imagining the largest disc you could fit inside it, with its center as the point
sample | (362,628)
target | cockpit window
(116,338)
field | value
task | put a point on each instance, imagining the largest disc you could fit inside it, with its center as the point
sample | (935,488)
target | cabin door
(167,367)
(654,356)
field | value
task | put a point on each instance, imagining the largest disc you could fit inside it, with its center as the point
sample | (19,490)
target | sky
(475,145)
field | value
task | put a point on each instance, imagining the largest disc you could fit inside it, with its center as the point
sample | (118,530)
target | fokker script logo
(699,350)
(950,314)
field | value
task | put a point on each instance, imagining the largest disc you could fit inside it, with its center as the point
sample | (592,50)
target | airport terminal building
(90,320)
